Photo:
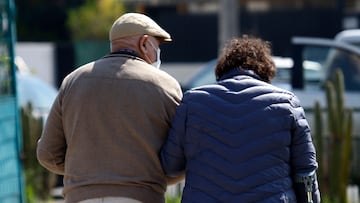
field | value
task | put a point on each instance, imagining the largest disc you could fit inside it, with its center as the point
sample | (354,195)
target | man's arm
(51,147)
(175,180)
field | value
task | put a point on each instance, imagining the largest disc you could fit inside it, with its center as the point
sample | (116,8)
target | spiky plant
(334,176)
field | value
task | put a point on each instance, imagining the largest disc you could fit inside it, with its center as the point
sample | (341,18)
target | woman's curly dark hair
(249,53)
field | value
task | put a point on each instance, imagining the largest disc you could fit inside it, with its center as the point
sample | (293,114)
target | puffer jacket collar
(239,71)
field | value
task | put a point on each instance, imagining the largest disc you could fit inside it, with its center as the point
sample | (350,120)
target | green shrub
(334,157)
(38,181)
(172,199)
(93,20)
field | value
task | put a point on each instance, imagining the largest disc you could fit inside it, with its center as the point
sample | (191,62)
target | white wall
(40,58)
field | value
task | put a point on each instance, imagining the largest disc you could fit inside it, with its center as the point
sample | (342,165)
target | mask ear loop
(156,49)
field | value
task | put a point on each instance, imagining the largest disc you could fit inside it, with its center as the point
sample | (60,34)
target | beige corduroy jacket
(106,127)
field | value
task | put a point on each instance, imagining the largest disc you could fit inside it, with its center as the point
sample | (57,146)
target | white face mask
(157,63)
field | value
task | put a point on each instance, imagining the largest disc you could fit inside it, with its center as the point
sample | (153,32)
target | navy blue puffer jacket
(241,140)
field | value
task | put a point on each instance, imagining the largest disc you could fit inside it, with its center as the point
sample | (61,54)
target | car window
(356,44)
(313,62)
(205,76)
(348,63)
(327,60)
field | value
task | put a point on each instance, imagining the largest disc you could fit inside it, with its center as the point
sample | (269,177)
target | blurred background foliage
(38,180)
(42,20)
(61,20)
(92,20)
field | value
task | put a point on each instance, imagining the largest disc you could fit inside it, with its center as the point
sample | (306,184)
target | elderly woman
(242,139)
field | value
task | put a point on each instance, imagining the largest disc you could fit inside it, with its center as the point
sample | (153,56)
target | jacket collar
(127,52)
(124,53)
(238,72)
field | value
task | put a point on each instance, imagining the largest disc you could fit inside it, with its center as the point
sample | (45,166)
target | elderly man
(110,119)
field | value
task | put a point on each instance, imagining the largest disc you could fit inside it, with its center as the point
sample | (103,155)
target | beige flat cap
(131,24)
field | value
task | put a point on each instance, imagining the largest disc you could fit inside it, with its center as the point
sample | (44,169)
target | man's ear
(142,44)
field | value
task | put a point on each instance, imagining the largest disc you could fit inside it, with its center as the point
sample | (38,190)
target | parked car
(313,62)
(32,90)
(282,79)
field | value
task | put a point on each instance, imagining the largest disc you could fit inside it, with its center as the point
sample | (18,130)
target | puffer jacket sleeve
(172,153)
(303,154)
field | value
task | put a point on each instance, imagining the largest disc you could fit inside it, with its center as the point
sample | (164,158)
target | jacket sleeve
(51,147)
(303,154)
(172,153)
